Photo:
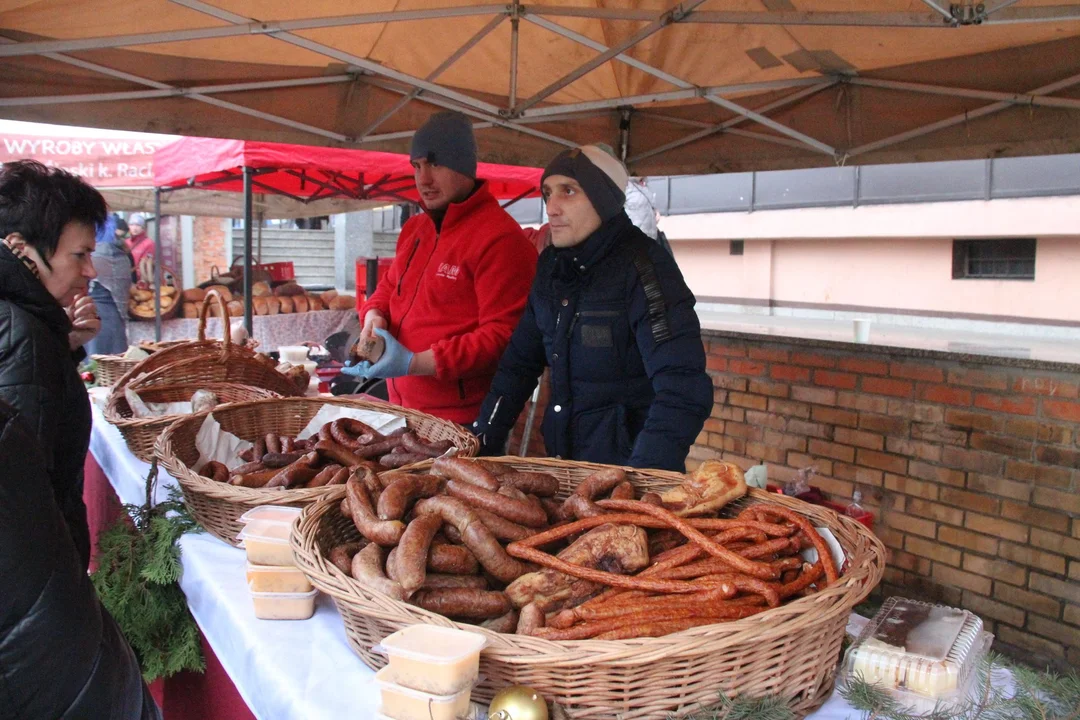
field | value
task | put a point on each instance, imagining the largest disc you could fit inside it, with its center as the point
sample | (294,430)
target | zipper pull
(495,410)
(573,322)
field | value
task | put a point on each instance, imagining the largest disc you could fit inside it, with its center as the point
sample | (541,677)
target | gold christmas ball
(518,702)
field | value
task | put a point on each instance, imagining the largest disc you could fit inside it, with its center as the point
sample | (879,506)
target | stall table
(271,331)
(280,669)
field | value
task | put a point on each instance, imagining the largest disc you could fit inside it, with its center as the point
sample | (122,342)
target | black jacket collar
(573,263)
(19,287)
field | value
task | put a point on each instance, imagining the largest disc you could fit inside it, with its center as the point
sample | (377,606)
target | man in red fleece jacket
(458,286)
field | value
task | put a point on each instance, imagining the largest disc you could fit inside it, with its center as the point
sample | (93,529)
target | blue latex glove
(394,362)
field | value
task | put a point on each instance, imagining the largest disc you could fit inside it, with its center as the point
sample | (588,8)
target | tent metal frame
(521,115)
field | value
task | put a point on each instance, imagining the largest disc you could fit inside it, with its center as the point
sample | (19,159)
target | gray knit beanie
(446,139)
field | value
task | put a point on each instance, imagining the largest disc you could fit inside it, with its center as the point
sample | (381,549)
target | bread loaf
(315,303)
(288,289)
(190,310)
(194,295)
(260,306)
(261,289)
(236,308)
(300,303)
(273,305)
(343,302)
(224,291)
(286,304)
(327,297)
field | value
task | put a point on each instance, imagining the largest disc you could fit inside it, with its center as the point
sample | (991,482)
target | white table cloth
(282,669)
(272,331)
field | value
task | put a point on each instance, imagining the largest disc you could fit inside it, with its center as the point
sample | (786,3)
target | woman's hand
(85,323)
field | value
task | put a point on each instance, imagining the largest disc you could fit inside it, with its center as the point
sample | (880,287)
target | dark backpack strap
(655,303)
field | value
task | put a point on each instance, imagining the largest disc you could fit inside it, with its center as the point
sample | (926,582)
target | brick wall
(970,468)
(209,247)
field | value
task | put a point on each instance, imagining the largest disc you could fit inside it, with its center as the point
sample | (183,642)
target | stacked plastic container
(279,590)
(925,655)
(430,674)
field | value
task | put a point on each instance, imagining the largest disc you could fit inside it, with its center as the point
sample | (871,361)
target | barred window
(999,259)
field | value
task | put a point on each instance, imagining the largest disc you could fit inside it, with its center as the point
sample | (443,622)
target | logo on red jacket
(448,271)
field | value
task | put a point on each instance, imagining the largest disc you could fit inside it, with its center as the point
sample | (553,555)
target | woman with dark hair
(48,222)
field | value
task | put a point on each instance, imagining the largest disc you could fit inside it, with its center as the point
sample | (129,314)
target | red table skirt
(186,695)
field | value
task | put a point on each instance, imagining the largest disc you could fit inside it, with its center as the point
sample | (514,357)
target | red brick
(995,569)
(763,387)
(996,526)
(728,413)
(936,511)
(1002,445)
(865,403)
(834,416)
(1017,405)
(975,460)
(831,450)
(765,452)
(975,421)
(958,578)
(979,379)
(1056,631)
(999,486)
(881,461)
(766,420)
(809,429)
(916,411)
(729,382)
(786,442)
(1032,429)
(1055,588)
(789,408)
(769,354)
(925,471)
(817,396)
(790,373)
(884,386)
(1042,649)
(970,501)
(909,371)
(1057,543)
(864,366)
(937,433)
(1056,434)
(945,394)
(720,347)
(1051,387)
(854,473)
(871,441)
(1031,557)
(746,367)
(908,486)
(719,364)
(1061,410)
(1046,476)
(1044,519)
(844,381)
(883,424)
(1065,501)
(933,550)
(1058,456)
(752,402)
(702,438)
(733,444)
(914,448)
(800,460)
(986,608)
(714,425)
(910,524)
(833,487)
(1027,600)
(813,359)
(969,540)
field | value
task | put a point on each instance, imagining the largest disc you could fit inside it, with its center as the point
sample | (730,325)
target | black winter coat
(39,377)
(61,653)
(614,320)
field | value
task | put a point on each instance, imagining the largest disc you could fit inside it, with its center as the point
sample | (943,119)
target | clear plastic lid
(916,647)
(284,596)
(384,684)
(432,644)
(267,531)
(273,513)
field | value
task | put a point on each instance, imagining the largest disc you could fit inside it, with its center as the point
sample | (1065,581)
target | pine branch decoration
(137,579)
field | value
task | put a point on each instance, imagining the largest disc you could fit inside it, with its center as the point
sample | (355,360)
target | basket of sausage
(613,592)
(281,452)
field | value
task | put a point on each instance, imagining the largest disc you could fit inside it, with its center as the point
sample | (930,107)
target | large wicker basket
(790,651)
(141,434)
(110,368)
(218,506)
(202,361)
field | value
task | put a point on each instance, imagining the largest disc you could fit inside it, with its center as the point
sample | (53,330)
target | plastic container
(267,542)
(295,354)
(437,660)
(923,653)
(284,606)
(277,579)
(271,513)
(402,703)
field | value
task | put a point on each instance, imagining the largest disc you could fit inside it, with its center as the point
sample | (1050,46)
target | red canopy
(307,173)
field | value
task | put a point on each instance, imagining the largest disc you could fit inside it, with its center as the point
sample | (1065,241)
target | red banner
(102,161)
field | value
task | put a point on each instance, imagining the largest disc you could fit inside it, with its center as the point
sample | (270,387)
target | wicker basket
(110,368)
(203,361)
(218,506)
(790,651)
(140,434)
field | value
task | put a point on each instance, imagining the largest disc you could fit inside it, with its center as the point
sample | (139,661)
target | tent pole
(515,21)
(157,265)
(247,254)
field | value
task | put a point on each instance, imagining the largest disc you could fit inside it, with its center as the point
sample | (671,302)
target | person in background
(109,290)
(48,225)
(61,653)
(140,244)
(610,314)
(458,284)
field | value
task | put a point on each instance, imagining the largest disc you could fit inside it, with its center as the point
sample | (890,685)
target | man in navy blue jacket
(610,314)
